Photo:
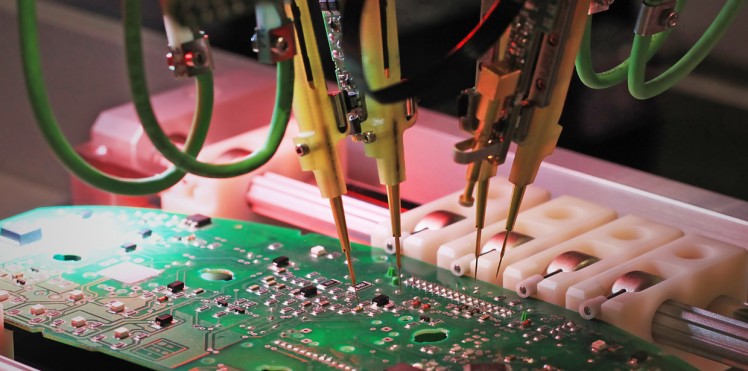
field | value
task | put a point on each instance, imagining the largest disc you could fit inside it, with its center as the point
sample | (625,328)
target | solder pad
(239,310)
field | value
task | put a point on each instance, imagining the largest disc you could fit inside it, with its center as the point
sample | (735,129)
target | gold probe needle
(393,199)
(480,218)
(336,204)
(517,193)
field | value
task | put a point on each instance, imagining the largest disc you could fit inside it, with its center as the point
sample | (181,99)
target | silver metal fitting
(274,45)
(369,137)
(191,58)
(302,150)
(654,19)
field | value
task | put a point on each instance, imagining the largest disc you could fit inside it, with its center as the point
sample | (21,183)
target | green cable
(642,89)
(187,162)
(54,137)
(617,74)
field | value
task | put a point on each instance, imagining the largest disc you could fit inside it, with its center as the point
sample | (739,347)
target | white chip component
(129,273)
(76,295)
(318,250)
(37,309)
(599,345)
(121,333)
(4,295)
(117,306)
(78,321)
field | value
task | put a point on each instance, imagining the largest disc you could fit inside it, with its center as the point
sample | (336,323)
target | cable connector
(191,58)
(656,18)
(274,45)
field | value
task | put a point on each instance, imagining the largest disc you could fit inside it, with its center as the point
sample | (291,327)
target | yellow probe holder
(313,110)
(386,121)
(544,129)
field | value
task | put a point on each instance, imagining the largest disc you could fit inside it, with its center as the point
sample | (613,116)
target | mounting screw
(553,39)
(302,150)
(369,137)
(280,45)
(540,84)
(670,18)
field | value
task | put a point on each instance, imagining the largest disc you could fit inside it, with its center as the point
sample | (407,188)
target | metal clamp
(191,58)
(657,18)
(274,45)
(463,152)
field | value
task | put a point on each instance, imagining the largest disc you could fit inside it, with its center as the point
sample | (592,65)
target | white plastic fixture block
(118,138)
(423,245)
(548,224)
(613,244)
(695,270)
(227,197)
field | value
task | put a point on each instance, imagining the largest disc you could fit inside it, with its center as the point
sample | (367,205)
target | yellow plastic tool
(494,86)
(318,133)
(386,123)
(544,129)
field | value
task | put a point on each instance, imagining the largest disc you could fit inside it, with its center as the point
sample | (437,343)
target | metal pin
(480,218)
(393,200)
(336,204)
(517,194)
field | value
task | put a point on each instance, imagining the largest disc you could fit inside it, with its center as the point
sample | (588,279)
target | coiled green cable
(615,75)
(186,161)
(54,137)
(641,89)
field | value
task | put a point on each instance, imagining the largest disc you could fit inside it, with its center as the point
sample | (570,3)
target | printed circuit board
(166,291)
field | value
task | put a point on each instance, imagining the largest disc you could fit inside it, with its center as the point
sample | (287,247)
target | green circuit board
(165,291)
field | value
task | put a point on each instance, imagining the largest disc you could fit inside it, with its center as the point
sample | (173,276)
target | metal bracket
(191,58)
(654,19)
(463,152)
(274,45)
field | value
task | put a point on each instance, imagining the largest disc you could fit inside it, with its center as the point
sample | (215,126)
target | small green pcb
(167,291)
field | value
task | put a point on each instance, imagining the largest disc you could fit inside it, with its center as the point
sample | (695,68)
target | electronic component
(380,300)
(281,261)
(76,295)
(37,309)
(309,291)
(128,247)
(360,286)
(318,251)
(121,333)
(117,306)
(78,321)
(164,319)
(175,286)
(197,221)
(145,232)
